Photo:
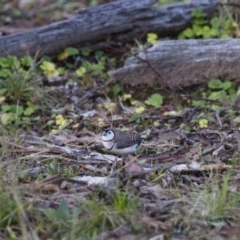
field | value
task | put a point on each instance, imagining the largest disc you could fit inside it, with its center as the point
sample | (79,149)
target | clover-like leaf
(218,95)
(2,99)
(49,69)
(203,123)
(6,118)
(152,38)
(140,110)
(126,96)
(227,85)
(81,71)
(188,33)
(215,84)
(30,109)
(155,100)
(85,51)
(69,51)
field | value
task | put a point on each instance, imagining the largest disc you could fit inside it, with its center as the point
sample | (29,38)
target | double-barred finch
(120,143)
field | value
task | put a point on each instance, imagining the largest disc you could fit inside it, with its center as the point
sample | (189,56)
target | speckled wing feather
(122,141)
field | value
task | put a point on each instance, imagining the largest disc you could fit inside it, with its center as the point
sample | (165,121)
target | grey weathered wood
(181,63)
(116,22)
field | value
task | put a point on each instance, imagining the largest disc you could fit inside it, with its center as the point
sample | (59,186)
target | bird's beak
(104,133)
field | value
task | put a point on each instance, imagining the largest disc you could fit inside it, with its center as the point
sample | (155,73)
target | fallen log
(182,63)
(115,22)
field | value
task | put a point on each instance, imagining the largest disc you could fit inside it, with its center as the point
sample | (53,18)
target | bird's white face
(108,135)
(108,139)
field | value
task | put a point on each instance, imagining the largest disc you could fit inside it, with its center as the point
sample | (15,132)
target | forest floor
(58,182)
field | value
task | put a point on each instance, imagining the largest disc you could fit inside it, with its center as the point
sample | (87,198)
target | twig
(218,113)
(191,114)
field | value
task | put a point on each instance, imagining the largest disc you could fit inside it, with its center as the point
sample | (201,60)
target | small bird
(120,143)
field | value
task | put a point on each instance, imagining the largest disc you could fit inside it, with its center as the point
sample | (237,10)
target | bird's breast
(108,144)
(124,151)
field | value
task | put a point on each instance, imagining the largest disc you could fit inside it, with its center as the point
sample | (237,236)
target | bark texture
(112,23)
(183,63)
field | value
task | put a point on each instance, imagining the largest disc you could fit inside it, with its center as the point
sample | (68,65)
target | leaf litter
(173,166)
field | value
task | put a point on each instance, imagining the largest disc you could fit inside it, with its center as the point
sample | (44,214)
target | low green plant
(90,64)
(152,38)
(69,51)
(155,100)
(53,167)
(17,78)
(70,172)
(8,210)
(202,28)
(92,216)
(222,92)
(216,202)
(62,214)
(93,69)
(50,70)
(124,202)
(115,91)
(18,81)
(212,204)
(99,216)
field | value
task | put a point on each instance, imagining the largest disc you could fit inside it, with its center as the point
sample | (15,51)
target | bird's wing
(123,142)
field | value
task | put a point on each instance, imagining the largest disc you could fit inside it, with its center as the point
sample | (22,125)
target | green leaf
(17,109)
(6,108)
(30,109)
(206,32)
(15,63)
(152,38)
(200,103)
(231,94)
(99,53)
(63,211)
(219,95)
(4,63)
(188,33)
(200,21)
(236,120)
(3,91)
(214,22)
(87,65)
(27,61)
(198,13)
(96,69)
(203,123)
(69,51)
(227,85)
(116,89)
(50,213)
(7,118)
(197,30)
(72,51)
(214,32)
(49,69)
(81,71)
(26,120)
(215,107)
(85,51)
(5,73)
(155,100)
(215,84)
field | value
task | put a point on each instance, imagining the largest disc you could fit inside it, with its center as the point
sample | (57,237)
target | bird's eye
(109,132)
